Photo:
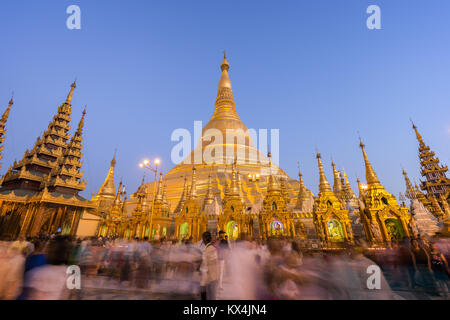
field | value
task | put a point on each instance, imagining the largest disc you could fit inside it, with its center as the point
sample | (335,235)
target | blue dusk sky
(309,68)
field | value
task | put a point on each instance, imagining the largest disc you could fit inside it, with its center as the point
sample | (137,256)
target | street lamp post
(146,165)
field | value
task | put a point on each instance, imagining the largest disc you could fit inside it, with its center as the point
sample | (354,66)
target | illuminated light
(141,165)
(157,161)
(146,162)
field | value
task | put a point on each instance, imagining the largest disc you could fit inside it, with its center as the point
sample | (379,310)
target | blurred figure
(422,265)
(209,269)
(223,249)
(12,267)
(48,282)
(440,269)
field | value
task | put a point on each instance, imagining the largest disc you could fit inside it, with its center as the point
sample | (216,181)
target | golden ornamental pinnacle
(371,176)
(324,185)
(70,95)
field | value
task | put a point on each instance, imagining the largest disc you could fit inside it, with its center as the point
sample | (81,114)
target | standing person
(223,250)
(440,269)
(48,281)
(422,264)
(12,266)
(209,269)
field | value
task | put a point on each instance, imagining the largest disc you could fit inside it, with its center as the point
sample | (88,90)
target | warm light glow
(157,161)
(141,165)
(364,186)
(146,162)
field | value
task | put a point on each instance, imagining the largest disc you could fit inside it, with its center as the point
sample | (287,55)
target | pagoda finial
(337,186)
(6,113)
(371,176)
(108,187)
(81,123)
(159,193)
(410,192)
(209,198)
(225,81)
(193,192)
(418,136)
(324,185)
(70,95)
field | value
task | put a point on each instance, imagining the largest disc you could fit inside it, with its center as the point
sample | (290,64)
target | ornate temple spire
(410,192)
(68,174)
(371,177)
(324,185)
(225,81)
(302,192)
(435,174)
(70,95)
(234,185)
(418,136)
(360,188)
(209,198)
(225,107)
(193,191)
(164,196)
(2,126)
(272,184)
(108,188)
(337,185)
(183,197)
(159,192)
(347,189)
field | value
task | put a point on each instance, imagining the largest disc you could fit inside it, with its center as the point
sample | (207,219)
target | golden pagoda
(39,194)
(191,221)
(331,218)
(276,218)
(234,201)
(385,220)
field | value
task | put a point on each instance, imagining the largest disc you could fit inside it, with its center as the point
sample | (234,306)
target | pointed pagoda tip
(412,123)
(225,64)
(70,95)
(11,101)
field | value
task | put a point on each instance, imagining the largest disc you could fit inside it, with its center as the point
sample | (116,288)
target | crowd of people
(216,268)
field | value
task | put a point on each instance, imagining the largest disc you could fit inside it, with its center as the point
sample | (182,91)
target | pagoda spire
(68,174)
(108,188)
(70,95)
(324,185)
(225,107)
(184,195)
(209,198)
(234,186)
(371,177)
(410,192)
(159,192)
(418,136)
(2,126)
(337,185)
(302,191)
(360,188)
(435,174)
(272,185)
(347,189)
(193,191)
